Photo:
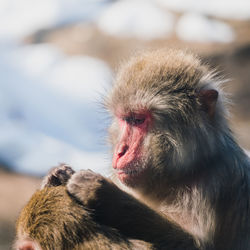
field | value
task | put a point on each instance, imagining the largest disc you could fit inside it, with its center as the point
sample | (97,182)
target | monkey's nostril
(122,150)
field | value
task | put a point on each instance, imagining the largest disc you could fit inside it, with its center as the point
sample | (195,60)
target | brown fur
(54,220)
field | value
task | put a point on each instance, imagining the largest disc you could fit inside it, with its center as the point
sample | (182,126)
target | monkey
(53,219)
(180,180)
(173,150)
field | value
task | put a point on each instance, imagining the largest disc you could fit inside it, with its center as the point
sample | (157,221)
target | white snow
(19,18)
(78,76)
(197,27)
(231,9)
(48,109)
(35,153)
(48,101)
(34,60)
(136,18)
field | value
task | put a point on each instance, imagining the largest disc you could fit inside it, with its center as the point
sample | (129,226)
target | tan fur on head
(42,211)
(54,220)
(154,79)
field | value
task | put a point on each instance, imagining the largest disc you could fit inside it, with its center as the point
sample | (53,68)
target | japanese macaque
(180,180)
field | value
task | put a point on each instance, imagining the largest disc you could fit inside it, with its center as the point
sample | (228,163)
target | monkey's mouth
(128,172)
(129,175)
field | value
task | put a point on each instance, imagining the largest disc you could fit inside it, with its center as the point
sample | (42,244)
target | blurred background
(58,58)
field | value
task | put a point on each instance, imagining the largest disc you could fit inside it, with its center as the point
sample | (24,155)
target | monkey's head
(166,116)
(52,220)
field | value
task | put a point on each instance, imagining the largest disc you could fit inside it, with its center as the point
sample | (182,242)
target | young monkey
(184,182)
(53,219)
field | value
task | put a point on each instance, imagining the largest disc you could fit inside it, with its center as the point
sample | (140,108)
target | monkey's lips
(129,174)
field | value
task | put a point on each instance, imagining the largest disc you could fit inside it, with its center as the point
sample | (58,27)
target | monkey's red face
(128,153)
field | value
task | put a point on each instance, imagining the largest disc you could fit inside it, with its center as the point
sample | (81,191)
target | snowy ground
(19,18)
(49,103)
(149,20)
(232,9)
(143,19)
(49,109)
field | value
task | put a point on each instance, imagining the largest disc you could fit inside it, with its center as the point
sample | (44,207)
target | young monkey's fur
(54,220)
(174,152)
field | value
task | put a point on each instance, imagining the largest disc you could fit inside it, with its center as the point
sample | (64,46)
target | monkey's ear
(208,99)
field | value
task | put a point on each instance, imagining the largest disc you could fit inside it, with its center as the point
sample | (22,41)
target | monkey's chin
(130,177)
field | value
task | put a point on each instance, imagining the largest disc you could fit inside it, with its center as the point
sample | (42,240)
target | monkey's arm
(115,208)
(53,219)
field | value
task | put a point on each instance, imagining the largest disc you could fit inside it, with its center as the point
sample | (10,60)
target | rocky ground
(233,60)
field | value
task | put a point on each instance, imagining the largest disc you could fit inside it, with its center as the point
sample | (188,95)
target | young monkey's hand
(58,176)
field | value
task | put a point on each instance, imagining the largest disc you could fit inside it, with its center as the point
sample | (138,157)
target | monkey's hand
(58,176)
(88,187)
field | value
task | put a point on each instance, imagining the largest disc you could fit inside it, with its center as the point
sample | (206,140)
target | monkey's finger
(58,176)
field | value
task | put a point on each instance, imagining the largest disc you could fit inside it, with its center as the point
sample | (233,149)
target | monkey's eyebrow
(168,90)
(185,89)
(133,120)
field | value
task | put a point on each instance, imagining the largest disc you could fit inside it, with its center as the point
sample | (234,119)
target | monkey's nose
(122,150)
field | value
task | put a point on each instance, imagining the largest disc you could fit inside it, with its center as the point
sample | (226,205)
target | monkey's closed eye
(134,120)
